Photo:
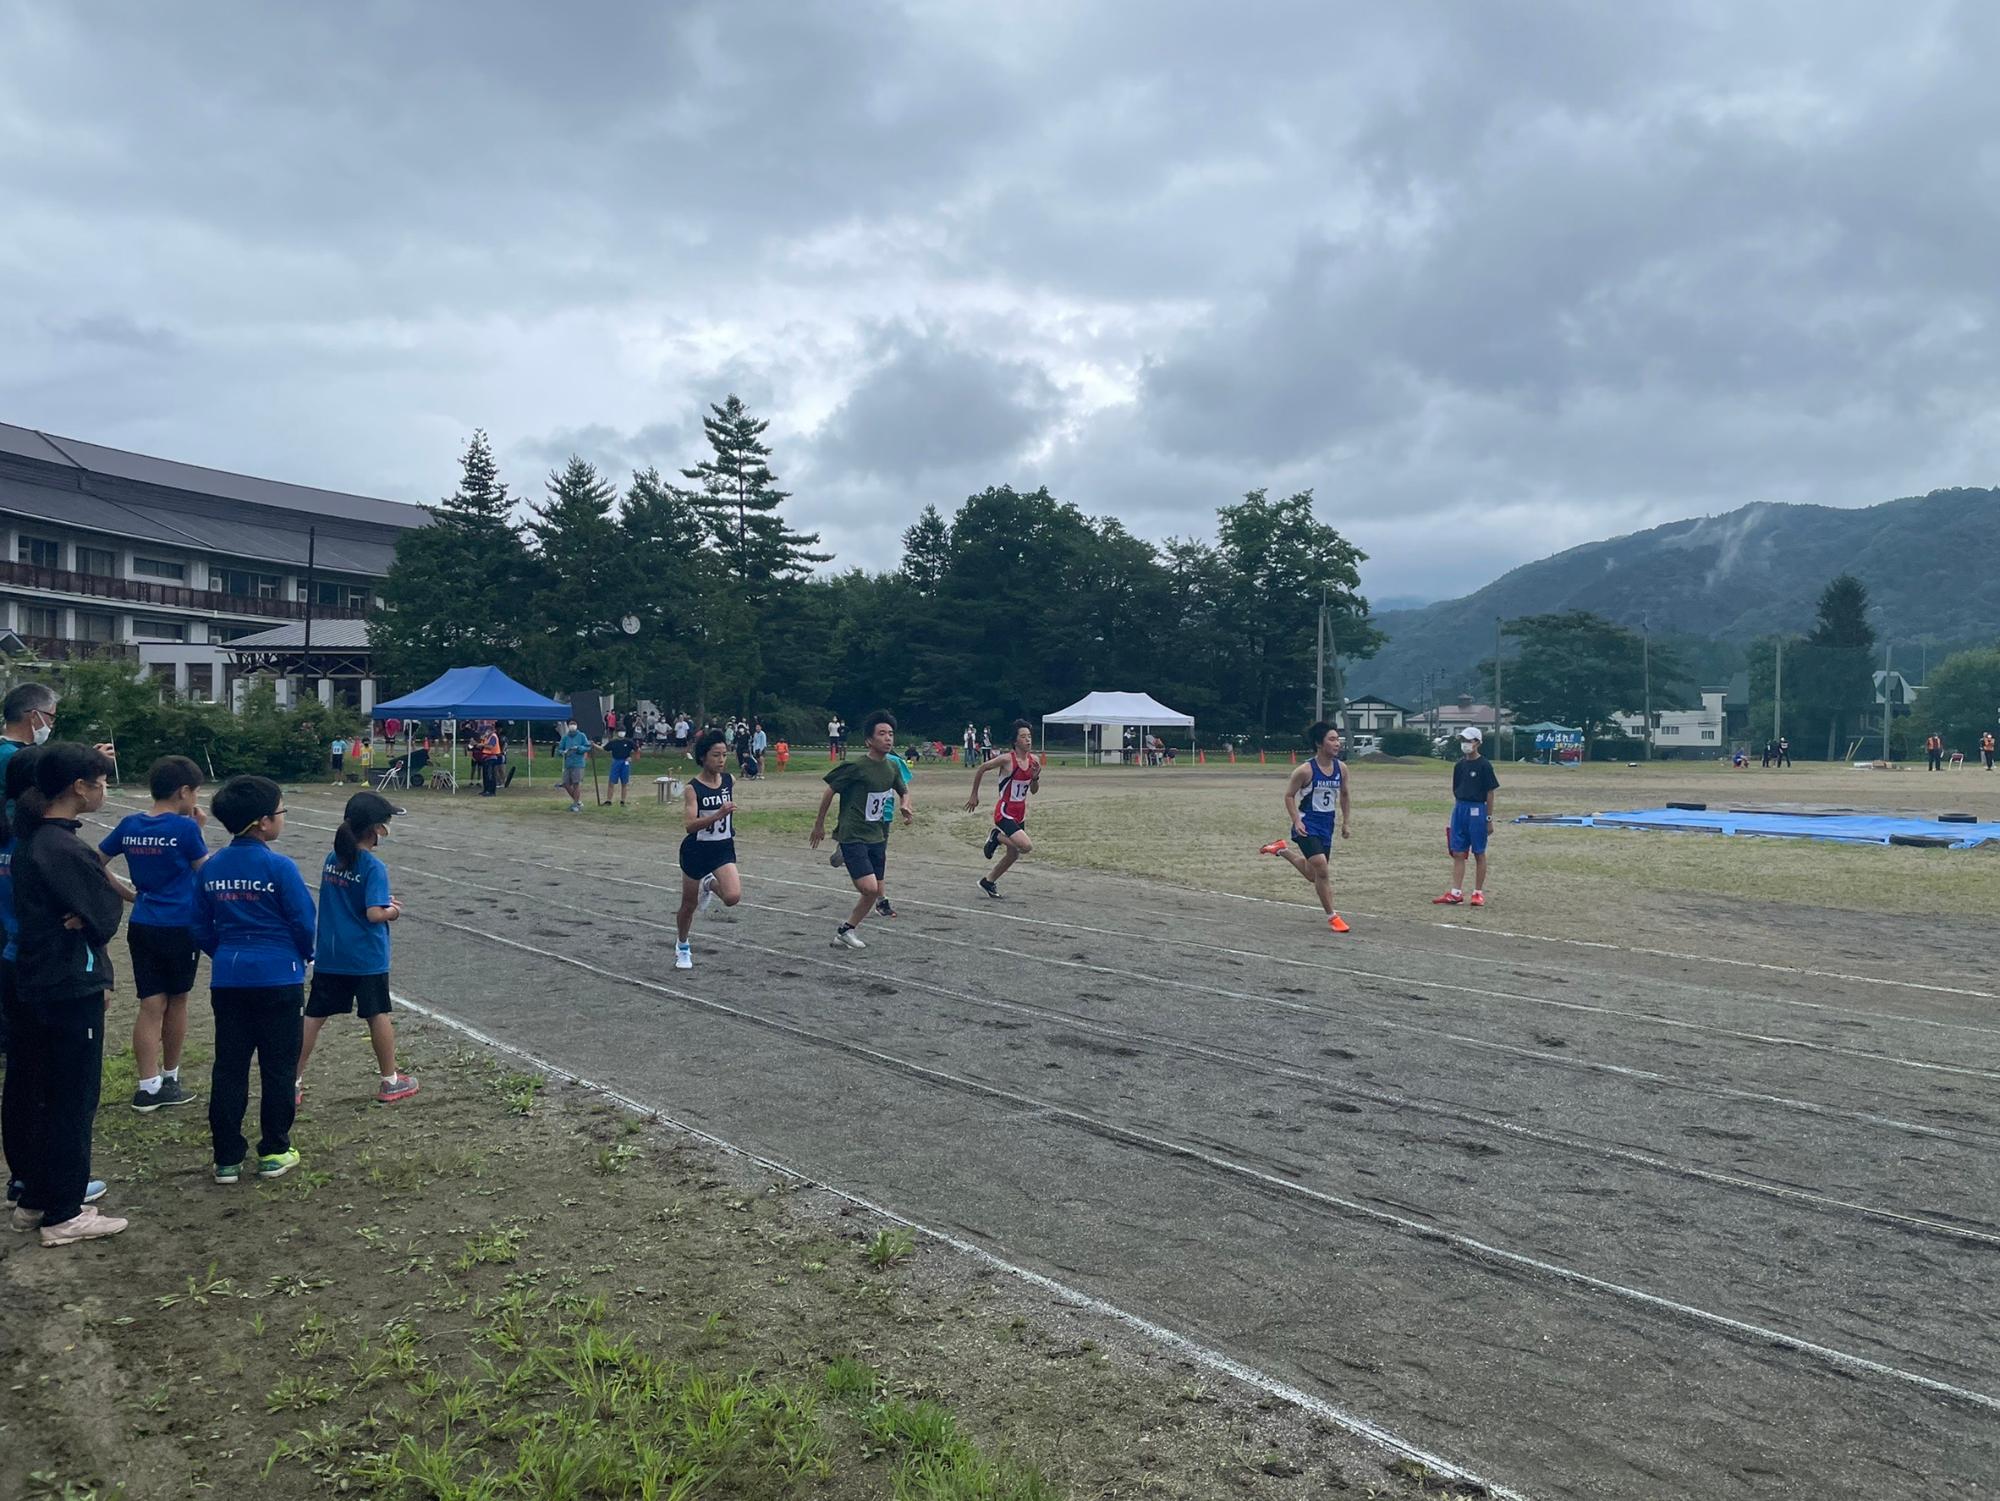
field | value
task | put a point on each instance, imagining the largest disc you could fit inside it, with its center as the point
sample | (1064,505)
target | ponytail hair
(25,803)
(59,767)
(364,811)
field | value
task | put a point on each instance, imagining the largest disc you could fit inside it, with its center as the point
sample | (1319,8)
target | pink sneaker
(1449,899)
(401,1087)
(1478,898)
(87,1224)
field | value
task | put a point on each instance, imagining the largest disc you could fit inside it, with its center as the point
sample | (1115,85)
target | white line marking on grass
(1424,1230)
(1265,1063)
(1181,1344)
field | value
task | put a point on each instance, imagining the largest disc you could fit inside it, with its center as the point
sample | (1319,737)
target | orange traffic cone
(1260,755)
(1201,758)
(1232,754)
(1295,758)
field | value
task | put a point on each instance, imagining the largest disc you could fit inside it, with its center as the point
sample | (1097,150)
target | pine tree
(696,645)
(455,595)
(740,499)
(585,582)
(1836,672)
(927,552)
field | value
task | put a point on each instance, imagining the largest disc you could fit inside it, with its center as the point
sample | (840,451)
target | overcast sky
(1491,278)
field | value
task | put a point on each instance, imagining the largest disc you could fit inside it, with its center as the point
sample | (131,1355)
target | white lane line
(1490,932)
(1790,1002)
(1423,1230)
(1482,992)
(1275,1066)
(1202,1355)
(1510,1049)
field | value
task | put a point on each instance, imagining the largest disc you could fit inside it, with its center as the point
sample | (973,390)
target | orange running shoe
(1337,923)
(1478,898)
(1449,899)
(1275,847)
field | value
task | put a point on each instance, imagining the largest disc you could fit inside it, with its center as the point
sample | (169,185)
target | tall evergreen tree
(926,552)
(741,501)
(585,582)
(696,645)
(456,594)
(1835,675)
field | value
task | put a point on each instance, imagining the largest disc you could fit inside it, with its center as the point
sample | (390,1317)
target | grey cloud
(929,404)
(1514,274)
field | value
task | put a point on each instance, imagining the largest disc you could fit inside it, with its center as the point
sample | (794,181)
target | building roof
(184,505)
(1377,700)
(333,635)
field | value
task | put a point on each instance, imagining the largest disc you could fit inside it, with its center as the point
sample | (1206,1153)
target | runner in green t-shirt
(868,789)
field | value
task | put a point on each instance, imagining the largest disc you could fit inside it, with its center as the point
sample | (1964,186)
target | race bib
(715,833)
(880,806)
(1018,791)
(1325,798)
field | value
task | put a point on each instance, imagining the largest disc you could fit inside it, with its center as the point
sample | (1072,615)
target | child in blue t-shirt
(254,918)
(163,849)
(351,965)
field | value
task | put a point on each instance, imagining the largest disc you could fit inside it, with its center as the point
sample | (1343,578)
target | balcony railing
(170,596)
(58,649)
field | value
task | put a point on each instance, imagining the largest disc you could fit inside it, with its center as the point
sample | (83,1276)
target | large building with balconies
(115,554)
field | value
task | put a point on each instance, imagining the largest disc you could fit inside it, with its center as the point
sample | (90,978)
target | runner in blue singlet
(1315,803)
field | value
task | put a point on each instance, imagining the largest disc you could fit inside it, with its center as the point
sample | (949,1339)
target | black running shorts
(163,959)
(1311,845)
(336,995)
(865,859)
(704,857)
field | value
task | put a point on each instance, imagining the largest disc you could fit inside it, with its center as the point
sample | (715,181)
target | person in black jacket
(68,911)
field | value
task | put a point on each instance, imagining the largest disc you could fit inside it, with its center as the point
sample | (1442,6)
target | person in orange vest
(1986,748)
(486,751)
(1934,750)
(783,749)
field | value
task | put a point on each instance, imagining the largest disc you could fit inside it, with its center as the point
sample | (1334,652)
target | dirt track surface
(1584,1221)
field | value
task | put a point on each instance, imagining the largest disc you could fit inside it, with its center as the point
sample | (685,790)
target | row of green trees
(696,593)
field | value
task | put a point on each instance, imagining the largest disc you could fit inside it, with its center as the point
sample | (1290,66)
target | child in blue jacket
(254,919)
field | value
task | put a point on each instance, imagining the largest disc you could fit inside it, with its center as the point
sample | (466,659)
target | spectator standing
(490,755)
(624,749)
(254,918)
(336,760)
(759,741)
(574,748)
(1934,752)
(970,741)
(67,910)
(351,955)
(836,738)
(163,850)
(1986,749)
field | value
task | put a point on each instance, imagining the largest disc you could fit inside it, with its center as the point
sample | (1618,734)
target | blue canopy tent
(471,693)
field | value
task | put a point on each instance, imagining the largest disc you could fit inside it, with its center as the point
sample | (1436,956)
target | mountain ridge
(1931,561)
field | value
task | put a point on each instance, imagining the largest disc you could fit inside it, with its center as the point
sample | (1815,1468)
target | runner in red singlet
(1020,776)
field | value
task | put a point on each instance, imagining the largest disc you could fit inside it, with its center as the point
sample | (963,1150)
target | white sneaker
(707,897)
(87,1224)
(846,937)
(683,956)
(26,1219)
(576,807)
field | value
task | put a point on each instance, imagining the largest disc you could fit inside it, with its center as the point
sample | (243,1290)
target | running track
(1577,1221)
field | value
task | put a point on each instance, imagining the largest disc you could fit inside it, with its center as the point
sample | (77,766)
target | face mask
(42,734)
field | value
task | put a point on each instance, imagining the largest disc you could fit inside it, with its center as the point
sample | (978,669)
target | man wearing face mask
(30,715)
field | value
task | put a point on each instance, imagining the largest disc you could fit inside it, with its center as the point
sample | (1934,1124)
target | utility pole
(1778,696)
(1646,653)
(1339,687)
(1497,634)
(1319,659)
(1886,709)
(305,656)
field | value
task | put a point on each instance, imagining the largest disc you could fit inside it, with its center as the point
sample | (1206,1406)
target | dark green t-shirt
(865,786)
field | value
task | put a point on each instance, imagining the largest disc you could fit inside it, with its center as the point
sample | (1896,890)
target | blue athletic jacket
(253,916)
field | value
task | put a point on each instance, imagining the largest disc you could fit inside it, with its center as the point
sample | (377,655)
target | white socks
(150,1086)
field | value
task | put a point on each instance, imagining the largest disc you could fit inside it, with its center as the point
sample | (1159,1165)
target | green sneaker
(278,1164)
(229,1172)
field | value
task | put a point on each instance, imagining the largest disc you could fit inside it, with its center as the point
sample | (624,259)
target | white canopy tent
(1141,711)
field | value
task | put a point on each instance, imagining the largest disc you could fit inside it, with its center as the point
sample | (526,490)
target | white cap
(1471,733)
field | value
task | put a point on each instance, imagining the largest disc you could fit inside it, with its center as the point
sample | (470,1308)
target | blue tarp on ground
(1842,828)
(473,693)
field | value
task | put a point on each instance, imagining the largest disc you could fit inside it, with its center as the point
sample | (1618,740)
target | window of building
(201,681)
(41,620)
(99,562)
(220,632)
(39,552)
(340,596)
(92,626)
(159,568)
(146,629)
(244,583)
(1708,734)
